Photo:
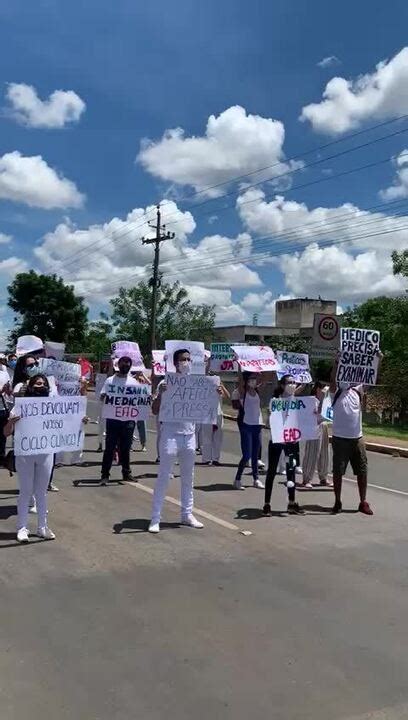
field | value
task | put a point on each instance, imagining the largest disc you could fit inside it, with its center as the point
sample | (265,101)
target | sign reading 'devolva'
(292,419)
(127,402)
(255,358)
(190,398)
(295,364)
(49,425)
(359,356)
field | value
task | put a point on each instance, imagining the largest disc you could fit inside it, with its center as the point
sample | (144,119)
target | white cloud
(293,223)
(329,61)
(336,274)
(99,259)
(399,189)
(5,239)
(31,181)
(346,104)
(61,108)
(234,144)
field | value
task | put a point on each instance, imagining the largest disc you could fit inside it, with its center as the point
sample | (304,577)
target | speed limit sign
(326,336)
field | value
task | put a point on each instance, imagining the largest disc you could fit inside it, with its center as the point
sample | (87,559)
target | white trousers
(101,425)
(34,472)
(172,446)
(212,440)
(158,435)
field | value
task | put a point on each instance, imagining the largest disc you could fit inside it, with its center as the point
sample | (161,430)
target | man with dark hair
(119,433)
(177,441)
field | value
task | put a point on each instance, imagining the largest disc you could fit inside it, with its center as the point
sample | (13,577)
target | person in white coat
(34,472)
(177,441)
(212,435)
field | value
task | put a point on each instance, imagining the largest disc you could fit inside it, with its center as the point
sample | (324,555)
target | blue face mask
(12,364)
(32,370)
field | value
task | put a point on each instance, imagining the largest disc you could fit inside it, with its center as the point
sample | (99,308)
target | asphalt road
(304,618)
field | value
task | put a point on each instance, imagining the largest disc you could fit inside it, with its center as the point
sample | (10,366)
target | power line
(72,258)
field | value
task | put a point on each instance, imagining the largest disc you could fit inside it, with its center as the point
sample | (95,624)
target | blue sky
(131,71)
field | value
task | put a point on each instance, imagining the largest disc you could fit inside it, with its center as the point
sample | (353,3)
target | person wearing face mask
(250,423)
(177,440)
(317,451)
(26,368)
(119,433)
(33,471)
(11,365)
(286,388)
(347,442)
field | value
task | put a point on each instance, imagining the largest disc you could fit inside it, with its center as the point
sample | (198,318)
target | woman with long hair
(286,388)
(250,425)
(26,367)
(34,471)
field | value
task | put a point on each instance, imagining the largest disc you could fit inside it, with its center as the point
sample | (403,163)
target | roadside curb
(372,446)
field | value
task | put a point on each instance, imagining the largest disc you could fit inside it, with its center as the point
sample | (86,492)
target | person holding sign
(347,441)
(119,432)
(34,472)
(286,389)
(250,422)
(177,441)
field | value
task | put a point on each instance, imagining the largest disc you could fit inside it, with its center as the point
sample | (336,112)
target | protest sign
(159,365)
(68,388)
(4,380)
(223,358)
(99,383)
(359,357)
(255,358)
(54,350)
(125,401)
(327,409)
(292,419)
(49,425)
(294,364)
(326,337)
(61,371)
(126,348)
(190,398)
(196,350)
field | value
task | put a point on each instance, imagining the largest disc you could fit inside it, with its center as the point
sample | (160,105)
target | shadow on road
(138,525)
(7,511)
(256,513)
(216,487)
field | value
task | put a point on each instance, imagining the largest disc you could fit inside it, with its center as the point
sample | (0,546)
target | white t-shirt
(115,381)
(179,427)
(347,413)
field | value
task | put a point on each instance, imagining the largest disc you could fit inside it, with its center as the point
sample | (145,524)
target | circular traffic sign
(328,328)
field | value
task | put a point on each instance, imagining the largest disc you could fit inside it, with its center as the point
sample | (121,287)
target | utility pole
(154,282)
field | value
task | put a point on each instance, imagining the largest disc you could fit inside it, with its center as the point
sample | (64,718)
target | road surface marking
(201,513)
(379,487)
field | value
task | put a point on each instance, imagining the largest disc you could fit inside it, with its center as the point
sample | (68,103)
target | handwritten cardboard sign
(359,357)
(127,401)
(223,358)
(294,364)
(49,425)
(127,348)
(190,398)
(159,364)
(255,358)
(292,419)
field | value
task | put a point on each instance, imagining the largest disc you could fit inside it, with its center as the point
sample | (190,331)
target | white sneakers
(45,533)
(238,485)
(192,522)
(259,484)
(22,535)
(33,509)
(188,520)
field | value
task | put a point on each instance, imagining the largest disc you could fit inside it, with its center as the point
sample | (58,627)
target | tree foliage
(99,337)
(47,307)
(400,262)
(177,317)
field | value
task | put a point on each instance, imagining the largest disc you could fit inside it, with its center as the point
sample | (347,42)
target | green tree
(47,307)
(400,262)
(390,317)
(177,317)
(99,337)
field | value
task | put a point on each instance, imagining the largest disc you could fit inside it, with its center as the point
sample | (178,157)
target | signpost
(326,337)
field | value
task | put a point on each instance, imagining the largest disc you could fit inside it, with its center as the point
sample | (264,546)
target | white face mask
(184,367)
(289,390)
(252,383)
